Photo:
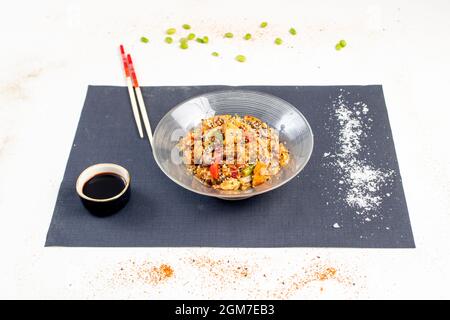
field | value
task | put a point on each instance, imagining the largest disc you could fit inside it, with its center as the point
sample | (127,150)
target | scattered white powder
(360,182)
(336,225)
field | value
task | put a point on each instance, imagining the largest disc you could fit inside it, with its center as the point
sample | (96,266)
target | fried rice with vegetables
(233,171)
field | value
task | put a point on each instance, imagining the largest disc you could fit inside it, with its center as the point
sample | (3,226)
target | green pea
(228,35)
(186,27)
(144,40)
(169,40)
(184,45)
(278,41)
(263,24)
(240,58)
(171,31)
(247,36)
(191,36)
(292,31)
(215,54)
(343,43)
(338,47)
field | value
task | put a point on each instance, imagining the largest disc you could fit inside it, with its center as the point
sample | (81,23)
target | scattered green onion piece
(247,36)
(292,31)
(278,41)
(240,58)
(263,24)
(169,40)
(215,54)
(144,40)
(200,40)
(186,27)
(228,35)
(184,45)
(205,39)
(338,47)
(343,43)
(191,36)
(183,40)
(171,31)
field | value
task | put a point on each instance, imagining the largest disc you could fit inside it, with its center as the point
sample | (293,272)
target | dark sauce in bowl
(104,186)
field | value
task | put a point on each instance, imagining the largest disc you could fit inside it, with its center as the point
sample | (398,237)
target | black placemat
(349,195)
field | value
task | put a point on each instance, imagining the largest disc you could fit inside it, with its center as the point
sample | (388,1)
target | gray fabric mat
(313,210)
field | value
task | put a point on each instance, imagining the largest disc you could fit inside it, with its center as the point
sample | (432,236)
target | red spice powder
(326,274)
(219,275)
(220,268)
(317,271)
(146,272)
(155,275)
(214,276)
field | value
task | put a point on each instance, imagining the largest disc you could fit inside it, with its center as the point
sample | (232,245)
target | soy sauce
(104,186)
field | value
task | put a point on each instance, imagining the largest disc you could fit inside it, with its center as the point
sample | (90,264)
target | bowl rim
(86,175)
(242,195)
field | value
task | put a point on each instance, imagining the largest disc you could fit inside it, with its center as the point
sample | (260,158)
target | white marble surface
(51,51)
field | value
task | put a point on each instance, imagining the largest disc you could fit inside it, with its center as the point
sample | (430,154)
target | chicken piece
(229,184)
(246,182)
(284,155)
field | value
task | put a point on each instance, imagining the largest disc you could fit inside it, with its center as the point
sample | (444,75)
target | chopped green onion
(338,47)
(247,36)
(228,35)
(263,24)
(191,36)
(240,58)
(205,39)
(343,43)
(186,26)
(278,41)
(292,31)
(169,40)
(171,31)
(215,54)
(144,40)
(184,45)
(248,170)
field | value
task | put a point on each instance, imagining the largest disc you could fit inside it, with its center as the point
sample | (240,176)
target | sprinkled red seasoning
(144,272)
(326,274)
(226,277)
(316,271)
(222,268)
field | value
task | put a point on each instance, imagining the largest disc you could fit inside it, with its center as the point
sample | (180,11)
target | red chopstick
(134,106)
(140,99)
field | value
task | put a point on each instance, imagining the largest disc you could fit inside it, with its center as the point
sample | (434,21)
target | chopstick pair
(135,91)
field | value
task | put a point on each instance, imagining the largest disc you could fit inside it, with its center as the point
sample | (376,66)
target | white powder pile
(360,183)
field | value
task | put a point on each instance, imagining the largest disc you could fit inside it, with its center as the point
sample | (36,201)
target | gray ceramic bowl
(293,128)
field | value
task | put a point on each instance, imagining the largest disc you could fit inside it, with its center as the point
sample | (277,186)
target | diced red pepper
(214,169)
